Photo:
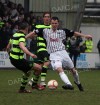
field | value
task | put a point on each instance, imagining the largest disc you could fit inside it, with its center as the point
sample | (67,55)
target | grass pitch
(10,82)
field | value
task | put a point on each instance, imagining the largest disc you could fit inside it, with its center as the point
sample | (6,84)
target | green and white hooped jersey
(41,43)
(16,52)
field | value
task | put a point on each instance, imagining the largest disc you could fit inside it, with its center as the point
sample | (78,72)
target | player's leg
(74,72)
(22,65)
(44,57)
(33,82)
(44,73)
(35,78)
(76,79)
(57,65)
(24,81)
(26,69)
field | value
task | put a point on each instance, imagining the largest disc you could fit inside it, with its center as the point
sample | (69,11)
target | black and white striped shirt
(55,39)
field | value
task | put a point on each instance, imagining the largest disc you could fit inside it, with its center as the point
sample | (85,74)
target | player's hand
(88,36)
(33,56)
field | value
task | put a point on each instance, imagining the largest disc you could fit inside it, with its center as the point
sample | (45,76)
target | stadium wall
(86,60)
(66,10)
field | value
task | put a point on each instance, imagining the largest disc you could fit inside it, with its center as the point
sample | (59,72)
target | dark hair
(46,13)
(55,18)
(22,26)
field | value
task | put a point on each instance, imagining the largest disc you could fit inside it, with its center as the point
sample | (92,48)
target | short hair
(23,25)
(46,13)
(55,18)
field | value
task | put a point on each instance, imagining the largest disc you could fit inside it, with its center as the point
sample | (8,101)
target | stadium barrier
(86,60)
(4,60)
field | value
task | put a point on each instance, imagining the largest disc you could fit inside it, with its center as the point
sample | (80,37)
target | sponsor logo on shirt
(54,39)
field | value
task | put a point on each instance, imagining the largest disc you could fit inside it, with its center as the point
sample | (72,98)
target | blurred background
(78,15)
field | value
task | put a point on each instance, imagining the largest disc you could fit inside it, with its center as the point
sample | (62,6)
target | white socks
(64,78)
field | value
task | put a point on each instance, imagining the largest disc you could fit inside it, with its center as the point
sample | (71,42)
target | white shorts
(61,59)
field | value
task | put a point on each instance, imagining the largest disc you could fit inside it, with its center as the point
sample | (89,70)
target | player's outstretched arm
(82,35)
(31,35)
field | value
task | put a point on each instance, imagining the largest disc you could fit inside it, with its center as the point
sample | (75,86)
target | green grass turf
(10,82)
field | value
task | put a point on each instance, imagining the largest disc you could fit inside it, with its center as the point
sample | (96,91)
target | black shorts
(42,57)
(22,64)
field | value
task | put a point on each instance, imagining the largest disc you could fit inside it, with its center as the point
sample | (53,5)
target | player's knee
(37,67)
(47,63)
(59,70)
(57,66)
(37,73)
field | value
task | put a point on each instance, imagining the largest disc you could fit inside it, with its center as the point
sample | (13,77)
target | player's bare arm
(21,44)
(31,35)
(82,35)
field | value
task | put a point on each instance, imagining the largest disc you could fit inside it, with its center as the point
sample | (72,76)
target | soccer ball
(52,84)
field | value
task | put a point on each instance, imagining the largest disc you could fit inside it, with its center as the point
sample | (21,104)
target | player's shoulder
(60,30)
(65,29)
(19,34)
(68,30)
(46,29)
(38,24)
